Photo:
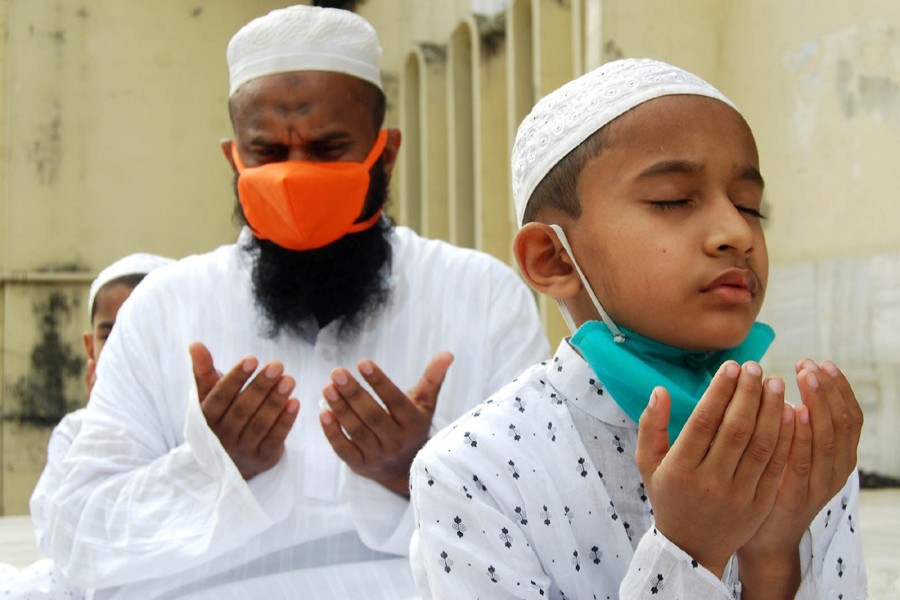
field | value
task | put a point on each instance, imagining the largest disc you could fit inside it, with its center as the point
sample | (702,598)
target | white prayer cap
(133,264)
(563,119)
(304,38)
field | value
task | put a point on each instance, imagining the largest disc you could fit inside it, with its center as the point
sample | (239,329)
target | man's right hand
(251,422)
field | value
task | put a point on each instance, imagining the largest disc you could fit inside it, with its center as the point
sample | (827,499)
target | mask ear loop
(370,160)
(618,336)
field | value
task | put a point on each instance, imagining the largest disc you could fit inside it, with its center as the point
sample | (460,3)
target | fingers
(205,374)
(251,399)
(846,415)
(346,450)
(396,402)
(268,410)
(272,446)
(740,423)
(759,456)
(795,488)
(653,434)
(703,424)
(220,398)
(425,393)
(364,420)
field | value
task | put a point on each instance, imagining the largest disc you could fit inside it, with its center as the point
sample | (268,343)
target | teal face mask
(630,365)
(632,368)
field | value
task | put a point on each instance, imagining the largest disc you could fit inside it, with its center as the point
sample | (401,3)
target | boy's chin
(712,339)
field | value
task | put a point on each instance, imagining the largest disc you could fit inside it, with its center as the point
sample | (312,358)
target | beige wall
(110,117)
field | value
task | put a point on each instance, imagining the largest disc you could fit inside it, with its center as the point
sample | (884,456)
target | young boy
(108,292)
(638,190)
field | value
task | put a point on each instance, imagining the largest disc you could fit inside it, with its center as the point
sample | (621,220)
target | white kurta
(536,494)
(150,504)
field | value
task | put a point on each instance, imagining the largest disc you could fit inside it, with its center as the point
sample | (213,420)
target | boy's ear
(544,262)
(88,338)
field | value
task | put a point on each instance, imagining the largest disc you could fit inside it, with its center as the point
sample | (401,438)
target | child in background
(108,292)
(638,192)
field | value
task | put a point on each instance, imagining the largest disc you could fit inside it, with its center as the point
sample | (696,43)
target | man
(186,481)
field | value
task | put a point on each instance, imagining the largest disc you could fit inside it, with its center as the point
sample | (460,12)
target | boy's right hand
(711,491)
(251,422)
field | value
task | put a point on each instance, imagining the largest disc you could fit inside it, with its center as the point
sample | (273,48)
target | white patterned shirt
(148,503)
(535,494)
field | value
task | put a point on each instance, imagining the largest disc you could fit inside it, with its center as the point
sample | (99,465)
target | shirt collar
(575,381)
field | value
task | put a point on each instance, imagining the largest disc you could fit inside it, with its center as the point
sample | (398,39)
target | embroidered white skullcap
(304,38)
(133,264)
(560,121)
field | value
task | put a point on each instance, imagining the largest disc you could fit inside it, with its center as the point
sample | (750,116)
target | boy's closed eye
(666,205)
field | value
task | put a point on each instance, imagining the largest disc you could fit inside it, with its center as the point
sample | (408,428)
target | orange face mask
(303,205)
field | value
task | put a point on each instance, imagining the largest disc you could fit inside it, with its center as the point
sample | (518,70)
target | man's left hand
(380,442)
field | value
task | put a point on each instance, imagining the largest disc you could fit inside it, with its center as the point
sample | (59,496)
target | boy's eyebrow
(753,175)
(666,167)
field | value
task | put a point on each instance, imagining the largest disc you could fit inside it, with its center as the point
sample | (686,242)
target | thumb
(424,394)
(653,436)
(205,374)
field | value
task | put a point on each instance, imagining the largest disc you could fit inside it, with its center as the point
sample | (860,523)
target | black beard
(300,292)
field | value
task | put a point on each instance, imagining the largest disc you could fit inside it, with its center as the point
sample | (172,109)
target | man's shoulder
(415,250)
(197,267)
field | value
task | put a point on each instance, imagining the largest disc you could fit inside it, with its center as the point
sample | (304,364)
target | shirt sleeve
(382,518)
(57,448)
(465,547)
(143,495)
(831,558)
(663,571)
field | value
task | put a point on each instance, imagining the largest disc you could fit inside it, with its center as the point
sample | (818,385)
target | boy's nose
(730,231)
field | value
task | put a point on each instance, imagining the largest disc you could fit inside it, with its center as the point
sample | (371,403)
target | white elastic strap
(618,336)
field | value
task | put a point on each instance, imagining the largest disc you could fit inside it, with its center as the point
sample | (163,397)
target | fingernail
(753,368)
(273,371)
(731,369)
(830,368)
(293,406)
(327,418)
(249,365)
(787,417)
(809,365)
(812,381)
(804,415)
(775,385)
(366,367)
(331,394)
(653,400)
(285,385)
(340,377)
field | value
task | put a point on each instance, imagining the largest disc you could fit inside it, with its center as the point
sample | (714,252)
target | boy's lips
(734,285)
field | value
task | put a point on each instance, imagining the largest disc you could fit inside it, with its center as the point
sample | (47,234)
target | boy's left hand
(822,456)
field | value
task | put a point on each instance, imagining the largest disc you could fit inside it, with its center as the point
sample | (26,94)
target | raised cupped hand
(250,421)
(380,442)
(714,487)
(822,457)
